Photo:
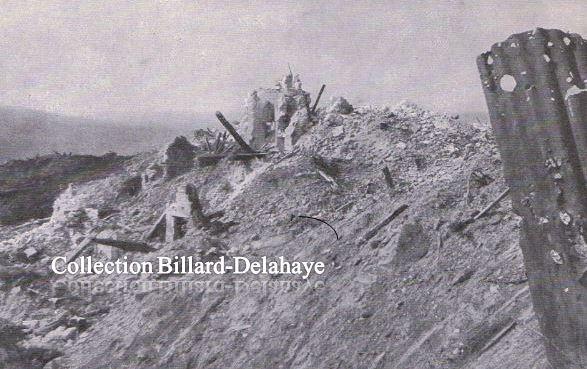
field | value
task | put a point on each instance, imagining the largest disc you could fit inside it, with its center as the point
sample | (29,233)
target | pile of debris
(277,116)
(391,181)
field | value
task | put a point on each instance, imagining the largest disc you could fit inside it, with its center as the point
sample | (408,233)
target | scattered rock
(384,126)
(178,157)
(565,218)
(30,252)
(153,173)
(57,363)
(366,314)
(412,245)
(340,105)
(299,124)
(262,208)
(131,187)
(333,120)
(338,131)
(371,188)
(62,333)
(556,257)
(10,333)
(374,244)
(79,322)
(463,276)
(30,325)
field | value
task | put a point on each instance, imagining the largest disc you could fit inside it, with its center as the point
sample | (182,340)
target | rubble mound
(340,105)
(178,157)
(403,287)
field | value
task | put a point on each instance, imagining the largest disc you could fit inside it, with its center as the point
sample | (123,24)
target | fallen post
(328,179)
(462,224)
(371,233)
(501,334)
(492,204)
(234,133)
(131,246)
(211,159)
(13,272)
(83,246)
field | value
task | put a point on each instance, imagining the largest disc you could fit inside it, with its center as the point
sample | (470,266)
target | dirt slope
(427,290)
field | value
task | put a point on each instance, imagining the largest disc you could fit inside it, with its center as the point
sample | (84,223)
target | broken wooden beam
(462,224)
(318,99)
(492,204)
(371,233)
(211,159)
(157,227)
(11,273)
(131,246)
(234,133)
(501,334)
(246,156)
(61,319)
(196,206)
(328,179)
(83,246)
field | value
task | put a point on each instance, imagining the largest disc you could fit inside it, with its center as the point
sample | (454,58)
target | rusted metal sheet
(534,87)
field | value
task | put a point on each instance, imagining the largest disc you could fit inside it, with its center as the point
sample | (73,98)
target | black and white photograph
(196,184)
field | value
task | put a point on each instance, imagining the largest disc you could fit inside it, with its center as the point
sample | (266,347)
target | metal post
(530,83)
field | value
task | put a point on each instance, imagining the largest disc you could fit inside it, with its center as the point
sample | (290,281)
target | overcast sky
(103,57)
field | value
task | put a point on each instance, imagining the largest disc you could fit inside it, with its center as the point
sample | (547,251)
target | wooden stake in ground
(388,179)
(318,99)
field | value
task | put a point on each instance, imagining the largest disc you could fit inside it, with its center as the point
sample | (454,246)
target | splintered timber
(187,265)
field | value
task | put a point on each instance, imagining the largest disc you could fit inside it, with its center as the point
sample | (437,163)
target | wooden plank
(211,159)
(158,223)
(234,133)
(83,246)
(318,99)
(373,231)
(132,246)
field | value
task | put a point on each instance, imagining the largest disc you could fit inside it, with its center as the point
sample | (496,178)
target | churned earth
(424,288)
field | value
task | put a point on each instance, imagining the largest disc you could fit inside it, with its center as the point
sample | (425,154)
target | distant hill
(29,187)
(25,133)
